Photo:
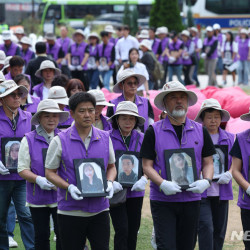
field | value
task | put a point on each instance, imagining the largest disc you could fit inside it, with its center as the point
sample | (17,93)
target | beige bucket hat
(19,30)
(9,86)
(144,34)
(245,117)
(47,64)
(7,62)
(79,31)
(49,106)
(109,29)
(6,35)
(185,33)
(93,34)
(174,86)
(50,36)
(123,75)
(59,95)
(26,40)
(214,104)
(161,30)
(128,108)
(2,57)
(146,43)
(100,98)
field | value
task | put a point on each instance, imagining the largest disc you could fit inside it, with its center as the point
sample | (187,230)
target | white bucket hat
(245,117)
(243,31)
(26,40)
(2,77)
(185,33)
(47,64)
(146,43)
(128,108)
(9,86)
(123,75)
(170,87)
(209,28)
(194,29)
(144,34)
(2,57)
(79,31)
(19,30)
(59,95)
(50,36)
(7,62)
(49,106)
(214,104)
(100,98)
(161,30)
(6,35)
(93,34)
(109,29)
(216,26)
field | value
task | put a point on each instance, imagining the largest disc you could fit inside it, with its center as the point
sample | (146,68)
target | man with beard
(175,211)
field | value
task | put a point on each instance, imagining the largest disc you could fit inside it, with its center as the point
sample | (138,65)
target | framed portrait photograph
(91,177)
(10,148)
(129,167)
(220,160)
(181,166)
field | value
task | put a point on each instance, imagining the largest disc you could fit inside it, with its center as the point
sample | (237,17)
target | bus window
(54,12)
(143,10)
(75,11)
(192,2)
(40,10)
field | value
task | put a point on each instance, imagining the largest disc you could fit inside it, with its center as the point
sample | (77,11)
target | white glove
(225,178)
(3,169)
(172,59)
(43,183)
(170,188)
(203,55)
(75,192)
(71,67)
(199,186)
(110,190)
(117,187)
(140,185)
(79,68)
(248,190)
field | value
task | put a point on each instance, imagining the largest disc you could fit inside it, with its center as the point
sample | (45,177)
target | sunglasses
(14,95)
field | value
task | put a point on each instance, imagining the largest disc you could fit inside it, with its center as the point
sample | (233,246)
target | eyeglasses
(14,95)
(132,83)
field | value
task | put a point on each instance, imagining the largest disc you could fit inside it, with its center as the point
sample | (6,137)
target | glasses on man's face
(14,95)
(130,84)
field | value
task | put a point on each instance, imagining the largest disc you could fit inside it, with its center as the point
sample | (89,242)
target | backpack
(158,72)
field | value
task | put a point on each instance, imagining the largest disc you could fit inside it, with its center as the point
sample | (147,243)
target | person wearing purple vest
(240,153)
(47,72)
(126,216)
(175,205)
(243,57)
(80,218)
(214,203)
(188,51)
(16,67)
(78,55)
(9,48)
(111,31)
(41,194)
(28,103)
(154,41)
(101,121)
(26,53)
(174,53)
(127,83)
(106,52)
(14,124)
(209,53)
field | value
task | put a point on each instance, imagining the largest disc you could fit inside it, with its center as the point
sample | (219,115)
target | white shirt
(124,45)
(45,93)
(227,47)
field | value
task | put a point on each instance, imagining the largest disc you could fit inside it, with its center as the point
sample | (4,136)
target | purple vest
(118,144)
(106,125)
(166,138)
(164,43)
(112,40)
(27,55)
(243,49)
(244,142)
(78,51)
(65,43)
(54,50)
(175,47)
(208,43)
(38,89)
(9,77)
(23,126)
(195,40)
(141,103)
(186,49)
(226,192)
(155,45)
(32,107)
(11,51)
(36,195)
(107,52)
(220,39)
(98,148)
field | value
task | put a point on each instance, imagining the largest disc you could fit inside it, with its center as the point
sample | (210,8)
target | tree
(154,14)
(127,15)
(190,20)
(134,21)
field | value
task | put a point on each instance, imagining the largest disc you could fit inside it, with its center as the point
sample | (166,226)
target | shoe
(12,243)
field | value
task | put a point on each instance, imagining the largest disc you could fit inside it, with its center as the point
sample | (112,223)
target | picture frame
(129,167)
(220,160)
(10,148)
(91,177)
(181,166)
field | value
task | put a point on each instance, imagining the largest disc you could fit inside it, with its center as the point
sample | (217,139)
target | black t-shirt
(235,150)
(148,144)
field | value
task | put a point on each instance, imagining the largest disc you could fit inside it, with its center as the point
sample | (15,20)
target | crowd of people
(63,160)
